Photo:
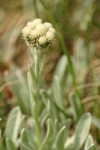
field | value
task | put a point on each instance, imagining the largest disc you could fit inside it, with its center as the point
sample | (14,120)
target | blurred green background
(77,23)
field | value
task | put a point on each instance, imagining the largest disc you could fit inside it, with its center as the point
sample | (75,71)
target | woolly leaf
(10,145)
(49,134)
(59,141)
(82,131)
(89,143)
(76,106)
(13,124)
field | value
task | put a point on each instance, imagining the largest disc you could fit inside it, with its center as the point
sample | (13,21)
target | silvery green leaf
(23,92)
(2,144)
(91,50)
(96,122)
(20,88)
(92,147)
(61,69)
(10,145)
(82,131)
(57,93)
(25,147)
(49,133)
(28,138)
(13,125)
(89,142)
(69,142)
(59,141)
(76,106)
(44,115)
(67,124)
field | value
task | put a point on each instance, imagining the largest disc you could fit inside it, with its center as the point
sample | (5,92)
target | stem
(36,63)
(35,71)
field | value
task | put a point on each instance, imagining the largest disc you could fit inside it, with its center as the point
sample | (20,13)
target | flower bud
(26,31)
(30,25)
(41,29)
(34,34)
(52,30)
(49,36)
(36,21)
(48,25)
(42,40)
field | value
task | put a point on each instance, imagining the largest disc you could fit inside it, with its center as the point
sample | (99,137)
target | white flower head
(52,30)
(42,40)
(26,31)
(50,35)
(36,21)
(48,25)
(30,25)
(34,34)
(38,34)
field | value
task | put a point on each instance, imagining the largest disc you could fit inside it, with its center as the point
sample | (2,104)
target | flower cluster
(38,34)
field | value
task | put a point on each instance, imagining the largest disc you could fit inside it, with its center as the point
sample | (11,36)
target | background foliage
(64,113)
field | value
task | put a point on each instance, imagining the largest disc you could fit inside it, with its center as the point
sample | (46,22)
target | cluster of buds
(38,34)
